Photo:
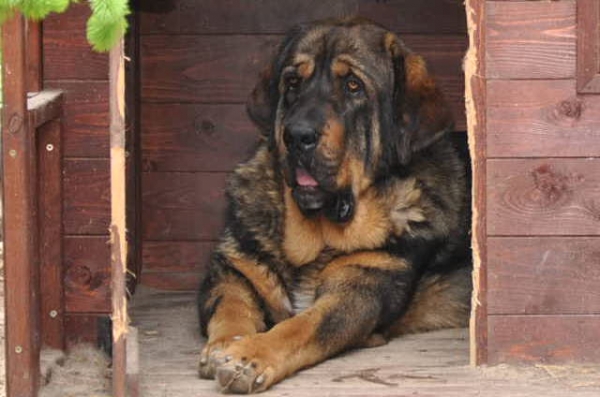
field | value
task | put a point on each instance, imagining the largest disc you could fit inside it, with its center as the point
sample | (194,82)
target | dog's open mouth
(304,179)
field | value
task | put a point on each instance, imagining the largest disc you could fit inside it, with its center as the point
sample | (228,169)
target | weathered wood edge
(118,218)
(474,66)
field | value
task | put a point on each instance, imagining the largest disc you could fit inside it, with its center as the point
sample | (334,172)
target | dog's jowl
(348,226)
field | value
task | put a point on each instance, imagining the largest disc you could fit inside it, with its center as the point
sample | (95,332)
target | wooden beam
(49,153)
(588,46)
(21,260)
(475,96)
(118,188)
(44,106)
(34,56)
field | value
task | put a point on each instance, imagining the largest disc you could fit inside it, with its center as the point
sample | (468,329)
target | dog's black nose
(301,137)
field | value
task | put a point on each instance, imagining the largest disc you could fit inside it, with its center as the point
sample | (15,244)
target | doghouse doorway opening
(196,64)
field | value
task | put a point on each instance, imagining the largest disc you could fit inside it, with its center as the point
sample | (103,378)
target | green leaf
(107,24)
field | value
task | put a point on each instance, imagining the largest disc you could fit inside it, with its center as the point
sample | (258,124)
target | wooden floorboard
(425,365)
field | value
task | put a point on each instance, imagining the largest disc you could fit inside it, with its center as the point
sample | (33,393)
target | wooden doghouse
(77,176)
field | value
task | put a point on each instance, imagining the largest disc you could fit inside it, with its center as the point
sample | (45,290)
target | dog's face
(344,103)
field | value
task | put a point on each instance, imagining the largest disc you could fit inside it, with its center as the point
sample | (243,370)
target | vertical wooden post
(118,217)
(34,56)
(20,219)
(475,87)
(50,228)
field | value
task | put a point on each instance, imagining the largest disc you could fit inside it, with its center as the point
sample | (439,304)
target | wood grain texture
(20,212)
(176,256)
(180,137)
(49,150)
(211,69)
(432,364)
(544,339)
(424,16)
(202,68)
(86,189)
(87,274)
(34,56)
(475,103)
(530,39)
(544,118)
(85,117)
(176,281)
(44,106)
(81,329)
(183,206)
(543,197)
(68,56)
(543,275)
(239,16)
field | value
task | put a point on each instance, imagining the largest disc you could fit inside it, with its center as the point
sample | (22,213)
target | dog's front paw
(210,357)
(247,366)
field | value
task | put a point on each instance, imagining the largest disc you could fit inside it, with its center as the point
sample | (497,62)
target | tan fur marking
(267,286)
(406,206)
(303,239)
(236,314)
(287,347)
(368,229)
(332,140)
(379,260)
(340,68)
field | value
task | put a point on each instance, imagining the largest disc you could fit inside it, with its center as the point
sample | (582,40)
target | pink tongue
(304,179)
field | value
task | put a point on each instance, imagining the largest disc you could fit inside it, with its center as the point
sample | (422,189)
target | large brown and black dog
(348,226)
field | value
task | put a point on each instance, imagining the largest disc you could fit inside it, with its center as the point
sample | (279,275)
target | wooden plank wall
(199,62)
(71,65)
(543,188)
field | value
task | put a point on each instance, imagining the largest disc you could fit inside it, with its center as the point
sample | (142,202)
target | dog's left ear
(262,102)
(422,113)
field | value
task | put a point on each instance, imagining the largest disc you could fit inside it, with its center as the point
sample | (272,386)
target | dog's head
(343,103)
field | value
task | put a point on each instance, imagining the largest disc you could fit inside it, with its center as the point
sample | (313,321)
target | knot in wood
(15,123)
(204,126)
(79,275)
(571,108)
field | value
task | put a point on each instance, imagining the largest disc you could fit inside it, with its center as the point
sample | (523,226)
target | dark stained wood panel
(81,329)
(542,118)
(202,68)
(543,197)
(423,16)
(183,206)
(276,16)
(530,39)
(192,137)
(73,21)
(543,339)
(543,275)
(86,189)
(176,256)
(175,281)
(213,69)
(240,16)
(85,117)
(588,46)
(67,54)
(87,274)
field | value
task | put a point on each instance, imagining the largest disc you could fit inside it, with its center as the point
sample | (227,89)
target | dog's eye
(292,82)
(353,85)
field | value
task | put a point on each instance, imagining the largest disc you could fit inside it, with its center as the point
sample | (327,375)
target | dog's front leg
(356,294)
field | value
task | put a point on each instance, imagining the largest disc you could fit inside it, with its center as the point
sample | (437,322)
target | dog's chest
(306,281)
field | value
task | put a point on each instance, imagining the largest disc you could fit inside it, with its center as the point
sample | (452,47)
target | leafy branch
(105,27)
